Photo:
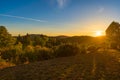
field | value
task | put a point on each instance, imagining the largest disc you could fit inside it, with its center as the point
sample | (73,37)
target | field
(99,65)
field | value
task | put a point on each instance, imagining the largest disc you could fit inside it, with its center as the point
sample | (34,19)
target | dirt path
(94,66)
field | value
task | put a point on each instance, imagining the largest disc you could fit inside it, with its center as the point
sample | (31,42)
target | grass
(93,66)
(4,64)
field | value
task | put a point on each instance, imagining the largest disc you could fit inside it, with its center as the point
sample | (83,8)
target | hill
(94,66)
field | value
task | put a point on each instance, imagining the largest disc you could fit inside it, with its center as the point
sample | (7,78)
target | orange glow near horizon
(99,33)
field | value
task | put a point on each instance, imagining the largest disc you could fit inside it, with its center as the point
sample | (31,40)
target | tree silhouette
(113,34)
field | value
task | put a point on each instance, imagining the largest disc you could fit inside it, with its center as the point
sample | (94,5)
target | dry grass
(4,64)
(94,66)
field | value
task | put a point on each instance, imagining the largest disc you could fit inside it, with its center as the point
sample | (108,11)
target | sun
(98,33)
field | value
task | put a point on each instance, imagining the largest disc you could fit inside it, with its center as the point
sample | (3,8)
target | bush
(114,45)
(9,55)
(22,58)
(91,49)
(83,49)
(67,50)
(37,53)
(28,55)
(4,64)
(43,53)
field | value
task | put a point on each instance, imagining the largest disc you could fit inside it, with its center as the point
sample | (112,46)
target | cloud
(61,3)
(101,9)
(19,17)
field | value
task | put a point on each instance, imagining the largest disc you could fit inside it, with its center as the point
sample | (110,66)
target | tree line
(32,47)
(37,47)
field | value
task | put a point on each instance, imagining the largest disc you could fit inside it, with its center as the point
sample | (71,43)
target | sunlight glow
(98,33)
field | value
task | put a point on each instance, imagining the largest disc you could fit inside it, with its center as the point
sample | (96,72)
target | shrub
(43,53)
(114,45)
(28,55)
(22,58)
(94,48)
(83,49)
(12,54)
(29,49)
(4,64)
(67,50)
(8,55)
(91,48)
(32,54)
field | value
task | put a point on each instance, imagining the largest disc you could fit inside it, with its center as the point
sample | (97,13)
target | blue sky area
(58,17)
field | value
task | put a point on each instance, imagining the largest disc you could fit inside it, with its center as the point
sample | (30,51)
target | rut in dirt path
(94,66)
(107,67)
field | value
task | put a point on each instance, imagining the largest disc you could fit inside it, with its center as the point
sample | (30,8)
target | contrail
(23,18)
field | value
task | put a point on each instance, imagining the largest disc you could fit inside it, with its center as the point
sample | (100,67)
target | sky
(58,17)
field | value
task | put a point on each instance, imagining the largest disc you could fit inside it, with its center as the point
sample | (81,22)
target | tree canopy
(5,38)
(113,33)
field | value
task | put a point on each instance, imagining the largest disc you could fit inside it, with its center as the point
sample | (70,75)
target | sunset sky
(58,17)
